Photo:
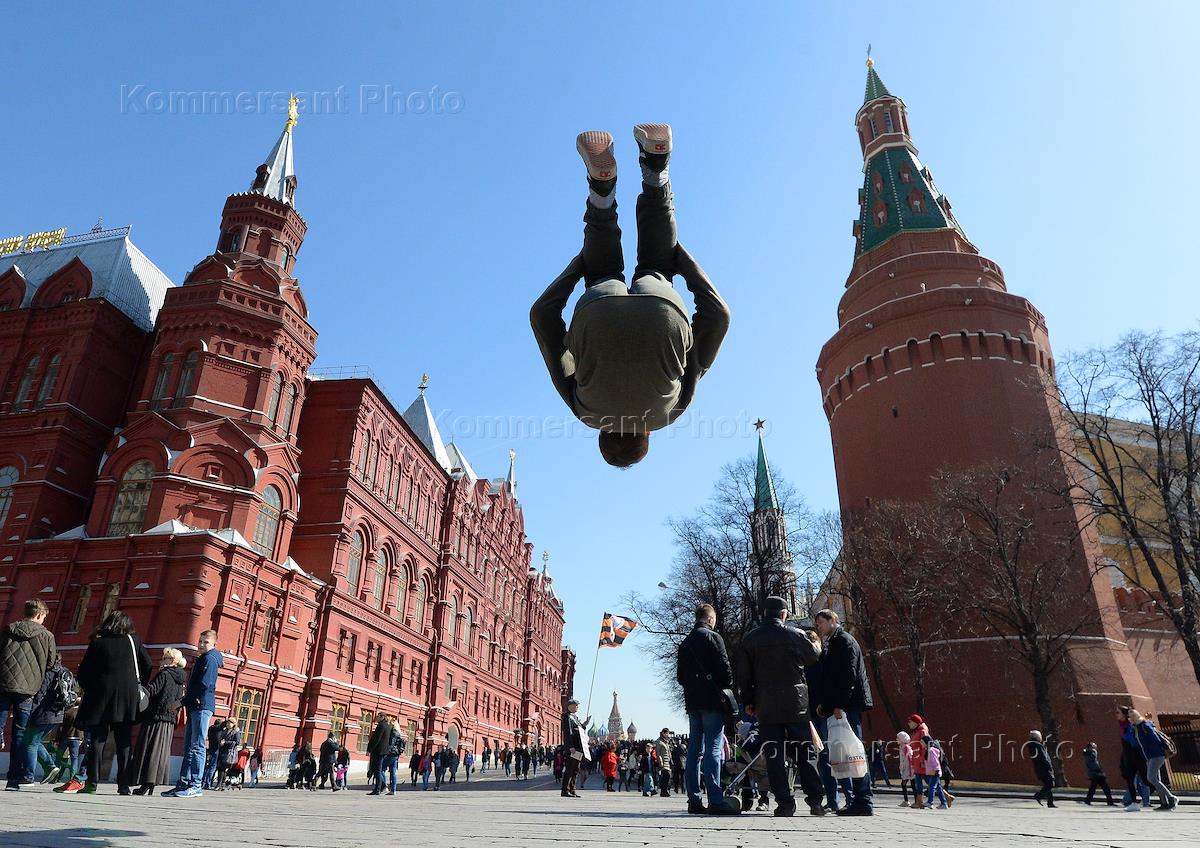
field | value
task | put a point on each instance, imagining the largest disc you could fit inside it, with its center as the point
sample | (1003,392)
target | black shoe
(856,810)
(374,792)
(1039,800)
(816,810)
(696,807)
(786,812)
(728,807)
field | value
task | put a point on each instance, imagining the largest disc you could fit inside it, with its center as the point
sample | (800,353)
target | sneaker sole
(653,138)
(596,149)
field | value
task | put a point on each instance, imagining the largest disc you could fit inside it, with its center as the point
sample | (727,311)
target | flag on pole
(614,629)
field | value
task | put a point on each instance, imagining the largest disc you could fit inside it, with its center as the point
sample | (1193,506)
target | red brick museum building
(164,449)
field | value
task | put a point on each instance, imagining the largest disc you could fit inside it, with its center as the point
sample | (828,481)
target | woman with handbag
(113,669)
(152,757)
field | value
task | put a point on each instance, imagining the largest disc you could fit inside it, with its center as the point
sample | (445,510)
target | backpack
(66,690)
(1169,746)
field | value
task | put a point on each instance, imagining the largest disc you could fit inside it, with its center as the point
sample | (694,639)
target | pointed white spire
(419,417)
(276,176)
(511,479)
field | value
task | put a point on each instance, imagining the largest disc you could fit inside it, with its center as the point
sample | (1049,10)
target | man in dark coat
(771,663)
(845,693)
(702,669)
(575,747)
(1043,767)
(26,649)
(328,760)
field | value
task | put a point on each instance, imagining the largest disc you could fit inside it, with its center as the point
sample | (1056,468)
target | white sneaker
(905,804)
(1135,807)
(596,149)
(653,138)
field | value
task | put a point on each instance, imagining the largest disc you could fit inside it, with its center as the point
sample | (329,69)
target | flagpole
(588,712)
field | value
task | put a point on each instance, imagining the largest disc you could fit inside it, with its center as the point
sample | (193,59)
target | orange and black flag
(614,629)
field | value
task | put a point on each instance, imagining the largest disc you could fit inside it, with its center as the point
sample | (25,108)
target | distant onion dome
(632,732)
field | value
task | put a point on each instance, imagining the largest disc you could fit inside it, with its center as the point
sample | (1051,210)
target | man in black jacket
(1043,767)
(702,668)
(771,663)
(575,747)
(845,693)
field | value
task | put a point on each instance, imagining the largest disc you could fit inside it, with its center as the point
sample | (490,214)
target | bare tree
(897,554)
(720,560)
(1015,548)
(850,580)
(1134,409)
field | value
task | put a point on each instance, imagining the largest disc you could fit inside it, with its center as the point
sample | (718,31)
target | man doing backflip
(630,362)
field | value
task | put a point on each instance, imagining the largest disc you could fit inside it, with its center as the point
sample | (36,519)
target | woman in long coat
(113,666)
(152,756)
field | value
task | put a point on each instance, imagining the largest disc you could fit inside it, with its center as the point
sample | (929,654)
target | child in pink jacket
(933,773)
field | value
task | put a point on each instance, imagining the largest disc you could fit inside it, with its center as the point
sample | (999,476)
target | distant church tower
(934,367)
(616,729)
(774,569)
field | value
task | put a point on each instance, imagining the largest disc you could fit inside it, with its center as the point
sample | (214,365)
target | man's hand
(837,713)
(750,710)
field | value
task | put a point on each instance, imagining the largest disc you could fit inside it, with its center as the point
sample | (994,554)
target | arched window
(112,595)
(419,612)
(81,605)
(452,621)
(465,639)
(364,455)
(354,565)
(187,377)
(26,385)
(162,381)
(48,382)
(289,410)
(381,570)
(267,526)
(8,478)
(276,394)
(401,593)
(133,496)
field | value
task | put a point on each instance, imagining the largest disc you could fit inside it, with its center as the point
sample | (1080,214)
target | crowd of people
(759,726)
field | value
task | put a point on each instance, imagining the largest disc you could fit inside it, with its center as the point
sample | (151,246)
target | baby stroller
(747,768)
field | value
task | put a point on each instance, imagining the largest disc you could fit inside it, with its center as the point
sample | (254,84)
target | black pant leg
(97,737)
(657,231)
(602,256)
(124,738)
(774,748)
(1107,792)
(1091,793)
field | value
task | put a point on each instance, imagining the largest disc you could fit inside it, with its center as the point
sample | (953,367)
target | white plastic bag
(847,757)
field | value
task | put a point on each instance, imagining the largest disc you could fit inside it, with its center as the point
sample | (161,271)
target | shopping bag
(817,744)
(847,757)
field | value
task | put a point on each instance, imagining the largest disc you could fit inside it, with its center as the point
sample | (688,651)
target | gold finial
(424,382)
(512,455)
(293,113)
(870,61)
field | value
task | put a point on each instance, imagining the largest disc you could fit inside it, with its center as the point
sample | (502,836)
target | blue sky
(444,193)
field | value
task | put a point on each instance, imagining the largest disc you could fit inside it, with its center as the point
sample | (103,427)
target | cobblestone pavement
(498,812)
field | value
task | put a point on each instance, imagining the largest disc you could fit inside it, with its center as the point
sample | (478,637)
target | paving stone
(500,813)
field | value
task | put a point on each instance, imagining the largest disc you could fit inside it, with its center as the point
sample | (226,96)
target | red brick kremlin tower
(929,370)
(164,449)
